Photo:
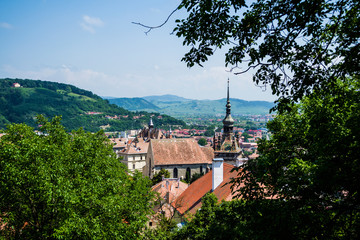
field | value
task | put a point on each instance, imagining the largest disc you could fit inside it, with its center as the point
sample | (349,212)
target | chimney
(217,172)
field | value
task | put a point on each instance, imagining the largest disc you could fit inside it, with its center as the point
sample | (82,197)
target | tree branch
(151,28)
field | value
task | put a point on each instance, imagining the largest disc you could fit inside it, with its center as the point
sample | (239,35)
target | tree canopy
(202,142)
(311,162)
(67,186)
(294,46)
(310,170)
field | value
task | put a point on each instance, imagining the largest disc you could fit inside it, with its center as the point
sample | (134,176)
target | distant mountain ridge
(180,107)
(166,98)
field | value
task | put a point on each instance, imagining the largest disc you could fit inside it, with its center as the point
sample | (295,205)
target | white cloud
(90,23)
(5,25)
(199,84)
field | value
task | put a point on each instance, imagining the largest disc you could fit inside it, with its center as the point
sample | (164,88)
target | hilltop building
(226,146)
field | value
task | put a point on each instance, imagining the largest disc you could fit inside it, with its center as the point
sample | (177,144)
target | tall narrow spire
(228,120)
(228,105)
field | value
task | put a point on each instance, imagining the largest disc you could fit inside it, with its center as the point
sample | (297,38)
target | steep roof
(170,185)
(190,199)
(137,146)
(118,142)
(180,151)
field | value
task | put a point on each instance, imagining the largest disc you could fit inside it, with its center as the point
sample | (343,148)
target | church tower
(226,146)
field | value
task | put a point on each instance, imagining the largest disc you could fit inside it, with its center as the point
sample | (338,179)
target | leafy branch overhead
(293,46)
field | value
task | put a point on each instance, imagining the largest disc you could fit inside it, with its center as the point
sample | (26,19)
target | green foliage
(163,173)
(202,142)
(310,167)
(134,104)
(293,46)
(67,186)
(246,136)
(163,230)
(196,176)
(265,219)
(311,161)
(201,223)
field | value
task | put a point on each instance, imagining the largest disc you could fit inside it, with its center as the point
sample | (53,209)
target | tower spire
(151,124)
(228,105)
(228,120)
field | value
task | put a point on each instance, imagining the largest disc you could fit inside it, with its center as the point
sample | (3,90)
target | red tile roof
(180,151)
(135,148)
(190,199)
(118,142)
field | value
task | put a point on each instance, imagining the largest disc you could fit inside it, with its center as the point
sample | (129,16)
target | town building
(134,154)
(180,157)
(119,144)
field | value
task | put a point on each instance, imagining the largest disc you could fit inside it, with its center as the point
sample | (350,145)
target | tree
(163,173)
(202,142)
(246,136)
(310,167)
(196,176)
(210,131)
(203,219)
(294,46)
(66,186)
(311,161)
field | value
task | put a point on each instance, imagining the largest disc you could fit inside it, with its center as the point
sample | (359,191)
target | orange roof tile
(140,147)
(118,142)
(180,151)
(190,199)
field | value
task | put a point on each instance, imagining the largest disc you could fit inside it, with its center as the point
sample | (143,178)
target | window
(133,166)
(175,173)
(201,170)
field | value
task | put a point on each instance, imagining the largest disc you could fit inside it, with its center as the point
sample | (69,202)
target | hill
(181,107)
(134,104)
(78,107)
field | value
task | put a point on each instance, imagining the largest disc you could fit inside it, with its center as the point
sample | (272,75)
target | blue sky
(93,45)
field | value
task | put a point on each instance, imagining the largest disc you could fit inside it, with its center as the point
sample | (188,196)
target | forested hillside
(134,104)
(78,107)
